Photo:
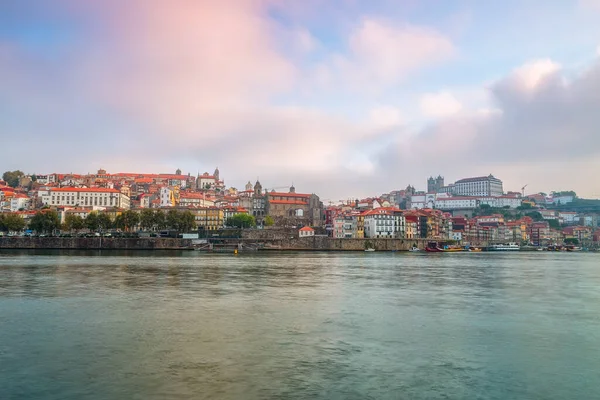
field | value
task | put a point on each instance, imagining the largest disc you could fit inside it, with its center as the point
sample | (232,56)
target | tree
(130,219)
(104,221)
(45,222)
(535,215)
(147,219)
(11,223)
(92,221)
(269,221)
(12,177)
(554,224)
(187,221)
(573,241)
(120,222)
(241,221)
(74,222)
(160,219)
(172,219)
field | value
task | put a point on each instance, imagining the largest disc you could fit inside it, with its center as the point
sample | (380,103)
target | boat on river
(505,247)
(370,249)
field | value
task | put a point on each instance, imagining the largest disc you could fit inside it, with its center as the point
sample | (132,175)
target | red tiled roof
(94,190)
(288,202)
(283,194)
(306,229)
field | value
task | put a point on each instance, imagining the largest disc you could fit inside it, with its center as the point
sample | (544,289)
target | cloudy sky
(345,98)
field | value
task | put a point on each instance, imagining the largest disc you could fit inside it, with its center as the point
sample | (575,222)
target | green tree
(187,222)
(120,222)
(11,223)
(241,221)
(160,220)
(172,219)
(74,222)
(104,221)
(573,241)
(45,222)
(91,221)
(535,215)
(554,224)
(147,219)
(131,219)
(269,221)
(12,177)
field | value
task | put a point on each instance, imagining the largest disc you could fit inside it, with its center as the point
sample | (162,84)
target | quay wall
(93,243)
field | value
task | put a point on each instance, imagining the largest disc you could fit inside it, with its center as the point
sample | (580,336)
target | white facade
(20,202)
(451,203)
(306,232)
(167,197)
(487,186)
(385,224)
(84,197)
(568,217)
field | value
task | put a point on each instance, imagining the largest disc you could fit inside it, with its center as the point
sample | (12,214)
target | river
(185,325)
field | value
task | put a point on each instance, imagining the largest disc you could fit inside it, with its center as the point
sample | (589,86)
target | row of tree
(47,221)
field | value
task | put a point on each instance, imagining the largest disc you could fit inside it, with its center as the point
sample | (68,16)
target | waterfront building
(294,208)
(84,197)
(385,222)
(306,231)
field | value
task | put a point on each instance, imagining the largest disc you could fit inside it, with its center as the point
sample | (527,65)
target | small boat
(414,249)
(370,249)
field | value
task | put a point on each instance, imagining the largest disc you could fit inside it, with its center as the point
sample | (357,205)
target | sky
(343,98)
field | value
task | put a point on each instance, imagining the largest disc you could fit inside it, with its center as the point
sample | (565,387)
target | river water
(159,325)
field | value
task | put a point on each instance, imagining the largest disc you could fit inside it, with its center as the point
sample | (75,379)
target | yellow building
(209,218)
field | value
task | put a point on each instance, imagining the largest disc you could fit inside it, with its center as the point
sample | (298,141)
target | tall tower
(439,183)
(292,189)
(257,188)
(216,173)
(430,185)
(248,186)
(178,172)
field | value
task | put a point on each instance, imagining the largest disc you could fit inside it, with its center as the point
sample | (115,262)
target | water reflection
(298,325)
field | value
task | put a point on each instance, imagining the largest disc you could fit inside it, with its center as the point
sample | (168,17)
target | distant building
(478,186)
(435,185)
(84,197)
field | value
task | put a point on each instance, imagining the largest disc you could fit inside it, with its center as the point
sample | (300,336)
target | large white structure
(84,197)
(385,223)
(480,186)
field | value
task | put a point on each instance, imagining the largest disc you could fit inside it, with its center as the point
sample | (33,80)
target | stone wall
(93,243)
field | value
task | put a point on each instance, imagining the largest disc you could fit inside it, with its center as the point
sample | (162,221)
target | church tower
(248,186)
(216,173)
(257,188)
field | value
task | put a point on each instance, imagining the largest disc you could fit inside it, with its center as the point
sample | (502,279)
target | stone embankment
(94,243)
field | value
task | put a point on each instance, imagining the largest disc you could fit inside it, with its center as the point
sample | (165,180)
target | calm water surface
(299,326)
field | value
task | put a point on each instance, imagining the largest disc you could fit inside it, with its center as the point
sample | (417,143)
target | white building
(385,223)
(167,197)
(20,202)
(568,217)
(488,186)
(306,231)
(453,203)
(84,197)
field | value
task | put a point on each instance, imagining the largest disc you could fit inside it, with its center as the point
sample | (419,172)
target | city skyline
(342,98)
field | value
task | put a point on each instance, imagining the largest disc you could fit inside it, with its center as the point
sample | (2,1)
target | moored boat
(505,247)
